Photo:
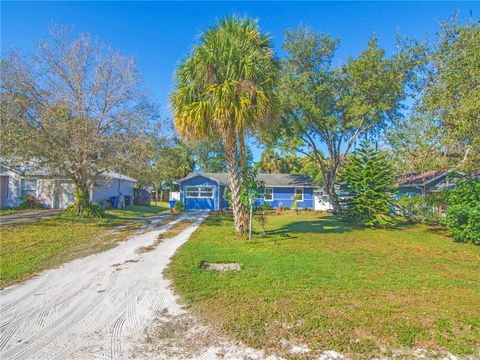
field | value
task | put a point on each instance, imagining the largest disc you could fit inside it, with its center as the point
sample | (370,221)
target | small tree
(295,200)
(367,187)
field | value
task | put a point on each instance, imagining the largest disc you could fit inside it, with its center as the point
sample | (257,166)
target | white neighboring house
(321,200)
(58,193)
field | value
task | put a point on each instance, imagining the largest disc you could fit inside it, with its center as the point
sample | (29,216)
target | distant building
(429,182)
(58,193)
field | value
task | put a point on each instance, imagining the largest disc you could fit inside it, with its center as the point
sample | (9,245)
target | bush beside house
(463,211)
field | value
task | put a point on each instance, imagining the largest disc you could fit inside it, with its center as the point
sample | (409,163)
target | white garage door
(65,195)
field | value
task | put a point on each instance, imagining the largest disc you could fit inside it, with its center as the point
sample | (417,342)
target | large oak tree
(75,107)
(452,96)
(330,107)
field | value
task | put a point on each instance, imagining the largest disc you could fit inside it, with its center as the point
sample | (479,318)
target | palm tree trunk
(239,215)
(243,151)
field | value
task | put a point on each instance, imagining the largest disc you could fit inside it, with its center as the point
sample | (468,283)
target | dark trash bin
(128,200)
(114,201)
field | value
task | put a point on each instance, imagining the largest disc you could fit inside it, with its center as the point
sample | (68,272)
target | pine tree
(367,187)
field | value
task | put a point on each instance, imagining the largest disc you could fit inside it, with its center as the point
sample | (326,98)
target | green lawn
(136,211)
(313,280)
(29,248)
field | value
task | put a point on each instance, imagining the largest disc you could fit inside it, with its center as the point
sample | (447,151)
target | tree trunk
(329,187)
(82,197)
(239,214)
(243,152)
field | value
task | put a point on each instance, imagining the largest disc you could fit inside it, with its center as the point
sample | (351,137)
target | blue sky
(159,34)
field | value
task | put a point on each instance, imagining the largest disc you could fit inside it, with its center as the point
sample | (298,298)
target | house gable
(201,200)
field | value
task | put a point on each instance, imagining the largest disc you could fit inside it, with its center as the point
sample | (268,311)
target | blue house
(206,191)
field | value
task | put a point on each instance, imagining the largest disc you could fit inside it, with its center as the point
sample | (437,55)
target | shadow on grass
(323,225)
(218,219)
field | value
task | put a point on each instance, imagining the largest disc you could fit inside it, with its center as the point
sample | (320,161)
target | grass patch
(27,249)
(316,281)
(137,211)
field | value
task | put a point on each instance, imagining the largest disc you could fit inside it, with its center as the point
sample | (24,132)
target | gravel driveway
(28,216)
(97,307)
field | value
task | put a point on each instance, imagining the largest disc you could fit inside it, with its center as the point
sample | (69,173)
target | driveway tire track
(31,314)
(116,342)
(42,338)
(88,309)
(27,295)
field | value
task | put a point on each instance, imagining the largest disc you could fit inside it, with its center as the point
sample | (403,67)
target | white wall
(13,192)
(45,192)
(321,201)
(106,188)
(174,195)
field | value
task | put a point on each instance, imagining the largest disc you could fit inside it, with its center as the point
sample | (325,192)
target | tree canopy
(75,106)
(209,156)
(331,107)
(452,95)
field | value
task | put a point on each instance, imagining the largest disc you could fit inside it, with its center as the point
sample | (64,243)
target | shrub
(423,209)
(105,204)
(90,210)
(295,200)
(179,206)
(464,223)
(266,206)
(30,202)
(463,212)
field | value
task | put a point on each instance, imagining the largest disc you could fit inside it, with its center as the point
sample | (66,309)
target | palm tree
(270,162)
(225,90)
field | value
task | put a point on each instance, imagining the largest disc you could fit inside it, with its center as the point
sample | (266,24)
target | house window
(199,192)
(299,194)
(28,187)
(268,196)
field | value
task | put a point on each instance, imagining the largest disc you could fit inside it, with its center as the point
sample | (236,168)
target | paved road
(97,307)
(27,216)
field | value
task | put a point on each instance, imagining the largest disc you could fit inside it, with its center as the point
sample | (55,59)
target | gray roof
(115,175)
(32,171)
(272,180)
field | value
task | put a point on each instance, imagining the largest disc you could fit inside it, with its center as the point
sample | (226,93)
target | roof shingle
(273,180)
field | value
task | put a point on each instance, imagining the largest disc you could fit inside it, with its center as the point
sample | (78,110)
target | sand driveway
(97,307)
